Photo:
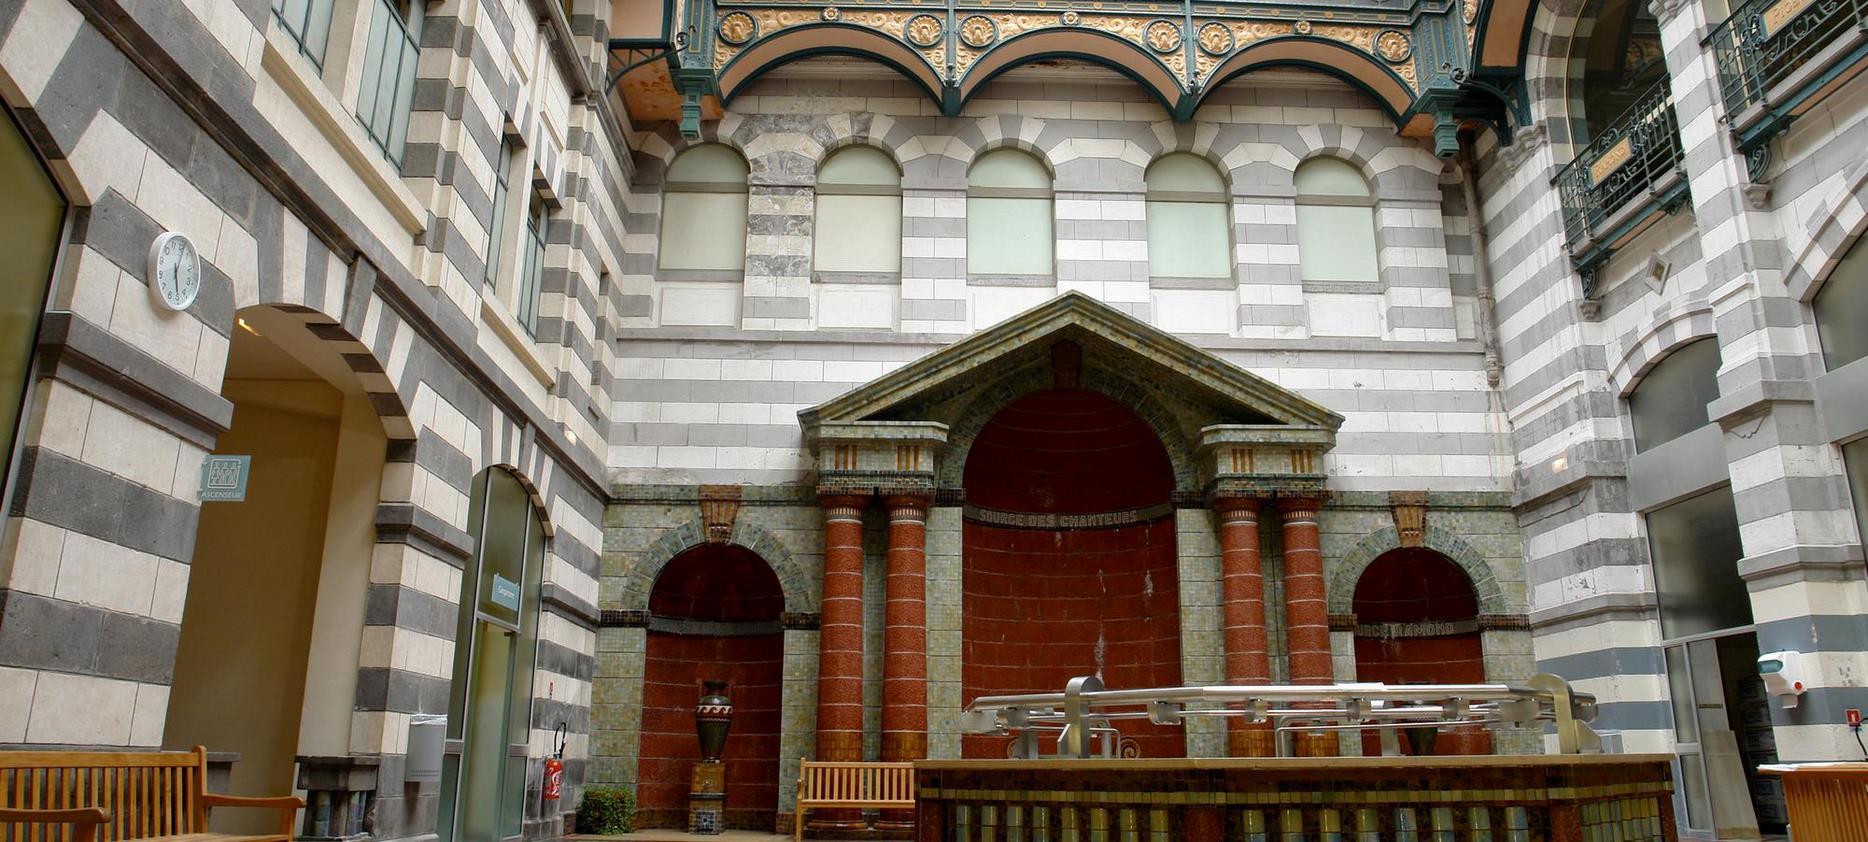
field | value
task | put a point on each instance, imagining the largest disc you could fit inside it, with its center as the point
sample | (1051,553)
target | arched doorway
(277,589)
(1417,622)
(713,616)
(1068,559)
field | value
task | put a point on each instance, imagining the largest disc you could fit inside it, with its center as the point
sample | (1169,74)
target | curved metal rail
(1081,716)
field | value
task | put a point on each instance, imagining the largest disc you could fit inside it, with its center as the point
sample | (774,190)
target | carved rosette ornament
(832,13)
(1216,39)
(923,30)
(978,31)
(1070,18)
(1301,27)
(1163,36)
(737,28)
(1393,46)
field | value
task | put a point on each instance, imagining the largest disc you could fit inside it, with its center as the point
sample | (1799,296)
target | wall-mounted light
(1559,464)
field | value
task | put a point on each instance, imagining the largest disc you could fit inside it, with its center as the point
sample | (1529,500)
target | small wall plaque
(223,478)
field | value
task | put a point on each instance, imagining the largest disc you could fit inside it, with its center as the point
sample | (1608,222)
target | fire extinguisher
(554,770)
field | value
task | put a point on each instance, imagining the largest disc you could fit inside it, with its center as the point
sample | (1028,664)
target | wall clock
(174,271)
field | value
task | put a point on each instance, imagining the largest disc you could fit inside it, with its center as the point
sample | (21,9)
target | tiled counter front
(1508,799)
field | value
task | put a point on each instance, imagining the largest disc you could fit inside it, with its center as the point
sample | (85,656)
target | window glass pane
(1671,400)
(496,223)
(1188,240)
(1680,694)
(859,233)
(704,231)
(1336,243)
(1008,236)
(1693,791)
(470,585)
(502,547)
(710,162)
(1330,177)
(1855,462)
(1185,172)
(1696,549)
(1842,310)
(1008,168)
(860,165)
(30,221)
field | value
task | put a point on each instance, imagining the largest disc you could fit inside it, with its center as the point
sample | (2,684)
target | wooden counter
(1539,798)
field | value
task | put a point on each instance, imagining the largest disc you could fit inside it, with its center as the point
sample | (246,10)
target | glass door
(1722,732)
(485,768)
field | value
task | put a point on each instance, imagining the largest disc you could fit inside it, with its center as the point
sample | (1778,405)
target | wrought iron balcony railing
(1776,57)
(1622,180)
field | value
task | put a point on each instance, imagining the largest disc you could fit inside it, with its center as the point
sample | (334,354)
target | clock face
(175,270)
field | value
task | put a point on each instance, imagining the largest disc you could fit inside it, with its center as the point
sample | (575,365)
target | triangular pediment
(1110,338)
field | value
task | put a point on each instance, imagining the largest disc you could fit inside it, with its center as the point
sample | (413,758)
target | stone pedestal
(707,798)
(339,794)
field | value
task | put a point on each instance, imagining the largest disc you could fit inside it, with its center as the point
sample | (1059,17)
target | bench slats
(145,795)
(850,785)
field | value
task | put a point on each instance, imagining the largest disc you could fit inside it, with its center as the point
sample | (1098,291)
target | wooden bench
(859,786)
(91,796)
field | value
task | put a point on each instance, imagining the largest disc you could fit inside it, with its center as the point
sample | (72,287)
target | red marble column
(1242,579)
(1306,612)
(905,636)
(840,635)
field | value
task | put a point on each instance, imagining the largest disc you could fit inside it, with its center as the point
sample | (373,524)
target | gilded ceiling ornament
(1215,38)
(737,28)
(1301,27)
(1070,18)
(1393,46)
(923,30)
(1470,10)
(978,31)
(832,13)
(1163,36)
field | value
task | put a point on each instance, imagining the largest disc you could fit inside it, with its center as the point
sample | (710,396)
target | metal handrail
(1764,42)
(1619,168)
(1082,714)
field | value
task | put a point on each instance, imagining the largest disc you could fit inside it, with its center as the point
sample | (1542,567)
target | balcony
(1622,181)
(1778,58)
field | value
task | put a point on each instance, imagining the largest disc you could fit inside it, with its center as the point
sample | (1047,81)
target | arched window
(1671,400)
(1008,215)
(1188,223)
(31,222)
(704,210)
(1842,310)
(859,213)
(1335,222)
(1621,60)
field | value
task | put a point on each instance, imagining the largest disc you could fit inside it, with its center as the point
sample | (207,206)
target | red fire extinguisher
(554,770)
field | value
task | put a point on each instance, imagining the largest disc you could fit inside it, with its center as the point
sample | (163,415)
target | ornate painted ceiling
(1432,64)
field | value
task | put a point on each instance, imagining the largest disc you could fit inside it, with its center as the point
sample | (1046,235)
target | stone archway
(1417,622)
(1484,579)
(714,615)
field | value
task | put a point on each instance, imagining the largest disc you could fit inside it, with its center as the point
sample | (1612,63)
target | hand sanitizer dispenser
(1784,675)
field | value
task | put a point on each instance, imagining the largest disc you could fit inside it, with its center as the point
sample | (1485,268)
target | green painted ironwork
(1621,180)
(1775,56)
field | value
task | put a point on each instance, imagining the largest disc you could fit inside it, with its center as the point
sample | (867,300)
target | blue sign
(505,593)
(223,478)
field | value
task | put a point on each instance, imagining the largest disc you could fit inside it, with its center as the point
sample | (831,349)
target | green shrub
(606,811)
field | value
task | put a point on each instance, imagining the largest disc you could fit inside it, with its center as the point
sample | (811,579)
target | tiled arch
(801,595)
(1342,586)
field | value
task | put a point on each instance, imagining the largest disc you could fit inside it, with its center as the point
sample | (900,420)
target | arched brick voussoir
(801,592)
(1342,587)
(1830,234)
(1687,321)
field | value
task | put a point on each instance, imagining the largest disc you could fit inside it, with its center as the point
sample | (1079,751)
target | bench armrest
(278,802)
(85,820)
(287,805)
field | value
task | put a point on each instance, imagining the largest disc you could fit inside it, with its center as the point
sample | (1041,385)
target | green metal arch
(962,84)
(1398,117)
(727,97)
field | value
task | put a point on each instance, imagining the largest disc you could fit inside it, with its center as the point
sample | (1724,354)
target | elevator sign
(223,478)
(505,593)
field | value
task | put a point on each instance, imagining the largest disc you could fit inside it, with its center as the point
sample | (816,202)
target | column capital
(1296,504)
(1238,508)
(843,505)
(908,505)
